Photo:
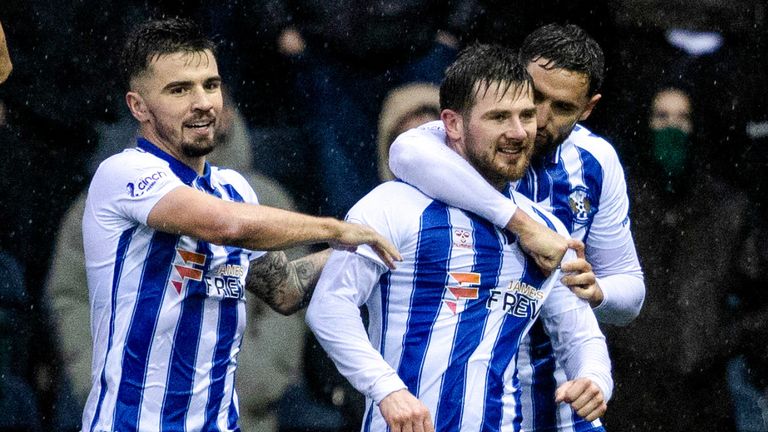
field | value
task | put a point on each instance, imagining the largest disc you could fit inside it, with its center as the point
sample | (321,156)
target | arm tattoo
(285,286)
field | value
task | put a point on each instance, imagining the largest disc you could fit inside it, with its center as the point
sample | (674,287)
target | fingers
(578,246)
(387,252)
(357,234)
(584,396)
(403,412)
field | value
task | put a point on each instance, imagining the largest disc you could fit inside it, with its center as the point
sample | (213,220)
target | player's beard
(198,148)
(495,172)
(546,142)
(195,147)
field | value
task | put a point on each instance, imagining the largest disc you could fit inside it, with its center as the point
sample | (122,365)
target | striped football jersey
(167,311)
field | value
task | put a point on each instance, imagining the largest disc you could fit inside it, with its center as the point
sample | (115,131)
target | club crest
(581,205)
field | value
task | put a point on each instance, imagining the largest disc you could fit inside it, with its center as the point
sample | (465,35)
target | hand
(545,246)
(404,413)
(579,276)
(584,396)
(352,234)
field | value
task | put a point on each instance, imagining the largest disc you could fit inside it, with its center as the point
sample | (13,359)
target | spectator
(404,108)
(691,230)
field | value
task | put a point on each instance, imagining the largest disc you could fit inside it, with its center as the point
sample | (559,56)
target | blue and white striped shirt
(447,323)
(582,183)
(167,311)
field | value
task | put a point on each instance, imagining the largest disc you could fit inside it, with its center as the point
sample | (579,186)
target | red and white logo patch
(465,287)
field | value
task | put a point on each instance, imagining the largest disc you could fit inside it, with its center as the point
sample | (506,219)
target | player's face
(561,98)
(181,94)
(499,132)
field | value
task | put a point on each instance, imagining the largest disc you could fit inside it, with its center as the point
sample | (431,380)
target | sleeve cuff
(386,385)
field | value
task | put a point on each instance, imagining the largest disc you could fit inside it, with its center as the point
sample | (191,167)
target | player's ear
(137,105)
(590,106)
(454,124)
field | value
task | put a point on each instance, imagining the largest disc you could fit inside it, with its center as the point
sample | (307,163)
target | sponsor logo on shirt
(225,281)
(463,288)
(518,299)
(462,238)
(186,270)
(144,183)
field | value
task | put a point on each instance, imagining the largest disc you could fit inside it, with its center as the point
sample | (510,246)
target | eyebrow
(188,83)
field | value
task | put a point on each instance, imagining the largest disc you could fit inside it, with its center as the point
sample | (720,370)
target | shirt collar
(184,172)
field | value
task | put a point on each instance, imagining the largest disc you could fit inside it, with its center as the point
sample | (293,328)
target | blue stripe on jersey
(385,284)
(181,374)
(152,288)
(561,190)
(234,414)
(543,384)
(472,320)
(369,407)
(431,266)
(122,250)
(504,351)
(592,176)
(234,195)
(221,357)
(517,422)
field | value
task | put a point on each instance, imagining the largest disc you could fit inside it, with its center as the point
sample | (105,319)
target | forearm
(334,317)
(578,343)
(269,228)
(623,296)
(621,281)
(285,286)
(187,211)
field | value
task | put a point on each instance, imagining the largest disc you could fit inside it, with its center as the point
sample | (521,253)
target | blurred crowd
(317,91)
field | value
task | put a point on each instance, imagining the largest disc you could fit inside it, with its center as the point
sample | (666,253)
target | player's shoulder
(539,213)
(598,146)
(132,164)
(395,198)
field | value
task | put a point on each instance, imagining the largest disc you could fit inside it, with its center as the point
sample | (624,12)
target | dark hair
(159,37)
(566,47)
(476,68)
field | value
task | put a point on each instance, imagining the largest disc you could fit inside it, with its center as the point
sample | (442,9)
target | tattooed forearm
(285,286)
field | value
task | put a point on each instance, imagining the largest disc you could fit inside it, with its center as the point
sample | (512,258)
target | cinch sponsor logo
(144,183)
(464,288)
(518,299)
(187,269)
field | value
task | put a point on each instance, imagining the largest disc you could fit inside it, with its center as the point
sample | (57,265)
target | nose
(202,100)
(543,113)
(515,131)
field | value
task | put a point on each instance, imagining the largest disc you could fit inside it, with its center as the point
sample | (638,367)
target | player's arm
(286,286)
(580,347)
(615,298)
(5,58)
(608,273)
(421,158)
(334,317)
(187,211)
